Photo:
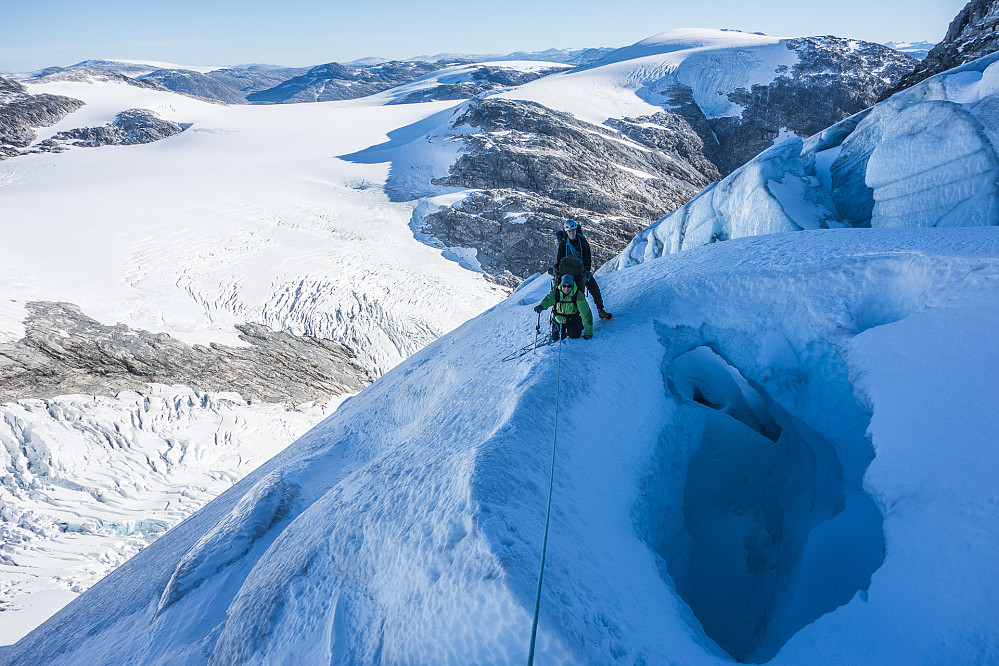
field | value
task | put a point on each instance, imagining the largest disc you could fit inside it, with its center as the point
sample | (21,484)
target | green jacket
(568,305)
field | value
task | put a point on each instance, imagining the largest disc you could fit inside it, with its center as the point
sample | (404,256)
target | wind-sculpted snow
(925,157)
(774,452)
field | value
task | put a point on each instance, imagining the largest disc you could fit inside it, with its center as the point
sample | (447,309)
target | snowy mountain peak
(686,39)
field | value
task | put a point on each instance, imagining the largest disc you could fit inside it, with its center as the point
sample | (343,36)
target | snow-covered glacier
(925,157)
(778,451)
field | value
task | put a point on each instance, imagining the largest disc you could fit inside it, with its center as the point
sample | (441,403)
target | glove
(537,308)
(587,337)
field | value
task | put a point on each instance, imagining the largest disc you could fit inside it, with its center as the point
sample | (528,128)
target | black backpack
(570,266)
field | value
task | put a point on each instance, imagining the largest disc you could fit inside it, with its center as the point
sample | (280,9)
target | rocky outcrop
(534,167)
(834,78)
(483,79)
(231,86)
(333,81)
(531,167)
(66,352)
(22,112)
(129,127)
(973,33)
(195,84)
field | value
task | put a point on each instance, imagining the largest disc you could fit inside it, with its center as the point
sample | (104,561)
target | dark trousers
(572,328)
(594,290)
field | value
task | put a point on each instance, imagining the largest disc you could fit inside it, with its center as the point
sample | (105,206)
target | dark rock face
(537,167)
(21,112)
(834,78)
(484,79)
(333,81)
(222,85)
(66,352)
(129,128)
(195,84)
(973,33)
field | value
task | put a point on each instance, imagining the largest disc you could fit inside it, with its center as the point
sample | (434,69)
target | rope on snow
(548,514)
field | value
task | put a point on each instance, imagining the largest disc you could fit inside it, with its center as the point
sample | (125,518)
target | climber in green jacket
(572,314)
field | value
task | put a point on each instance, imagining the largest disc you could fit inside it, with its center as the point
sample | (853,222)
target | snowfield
(779,450)
(247,216)
(628,82)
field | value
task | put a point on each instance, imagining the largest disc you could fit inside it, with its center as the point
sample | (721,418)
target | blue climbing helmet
(570,225)
(567,279)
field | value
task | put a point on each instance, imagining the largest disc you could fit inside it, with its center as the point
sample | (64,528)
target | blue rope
(548,515)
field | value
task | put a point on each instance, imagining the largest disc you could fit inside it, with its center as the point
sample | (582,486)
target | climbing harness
(548,514)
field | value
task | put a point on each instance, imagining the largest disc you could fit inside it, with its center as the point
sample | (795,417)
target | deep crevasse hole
(763,533)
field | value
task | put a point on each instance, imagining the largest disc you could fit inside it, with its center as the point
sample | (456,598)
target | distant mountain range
(973,33)
(915,49)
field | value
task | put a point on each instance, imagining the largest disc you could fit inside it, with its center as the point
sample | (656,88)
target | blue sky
(307,32)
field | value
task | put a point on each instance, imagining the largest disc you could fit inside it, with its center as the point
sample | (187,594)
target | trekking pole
(537,332)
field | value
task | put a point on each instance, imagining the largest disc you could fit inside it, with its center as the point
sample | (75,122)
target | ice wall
(926,157)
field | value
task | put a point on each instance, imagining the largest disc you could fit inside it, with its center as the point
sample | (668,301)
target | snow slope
(780,447)
(627,82)
(927,156)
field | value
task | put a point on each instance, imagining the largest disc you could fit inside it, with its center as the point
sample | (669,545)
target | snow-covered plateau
(780,450)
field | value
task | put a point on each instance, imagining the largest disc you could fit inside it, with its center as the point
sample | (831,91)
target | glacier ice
(773,418)
(925,157)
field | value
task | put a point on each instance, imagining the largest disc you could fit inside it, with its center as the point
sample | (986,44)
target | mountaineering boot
(604,314)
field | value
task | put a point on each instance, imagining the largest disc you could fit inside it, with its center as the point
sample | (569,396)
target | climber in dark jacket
(571,315)
(572,243)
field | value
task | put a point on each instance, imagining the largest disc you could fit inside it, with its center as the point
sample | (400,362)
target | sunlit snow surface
(248,215)
(629,81)
(407,527)
(928,156)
